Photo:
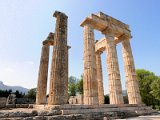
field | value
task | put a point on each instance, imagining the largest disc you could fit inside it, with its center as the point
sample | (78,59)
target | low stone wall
(76,99)
(3,101)
(25,101)
(20,103)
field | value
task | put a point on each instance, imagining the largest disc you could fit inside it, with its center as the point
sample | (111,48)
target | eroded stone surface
(43,76)
(77,112)
(99,78)
(58,91)
(115,88)
(130,73)
(90,82)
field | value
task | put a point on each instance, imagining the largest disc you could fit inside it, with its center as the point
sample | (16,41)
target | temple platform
(84,109)
(76,112)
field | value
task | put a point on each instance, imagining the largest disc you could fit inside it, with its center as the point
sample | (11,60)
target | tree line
(6,93)
(31,93)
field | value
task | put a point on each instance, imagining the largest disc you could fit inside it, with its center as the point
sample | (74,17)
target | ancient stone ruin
(115,32)
(11,101)
(92,105)
(58,92)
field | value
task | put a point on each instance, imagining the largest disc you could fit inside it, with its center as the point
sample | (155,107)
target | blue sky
(24,24)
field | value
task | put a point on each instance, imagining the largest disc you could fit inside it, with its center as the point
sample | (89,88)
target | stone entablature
(100,45)
(50,40)
(107,24)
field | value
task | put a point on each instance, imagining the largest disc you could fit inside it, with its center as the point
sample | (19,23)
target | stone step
(78,112)
(61,117)
(78,106)
(31,113)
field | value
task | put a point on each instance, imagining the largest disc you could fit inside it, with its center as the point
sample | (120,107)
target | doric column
(67,52)
(115,88)
(42,76)
(58,79)
(90,82)
(99,78)
(130,73)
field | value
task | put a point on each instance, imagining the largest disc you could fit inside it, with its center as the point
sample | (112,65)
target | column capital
(99,52)
(49,40)
(57,13)
(109,31)
(86,21)
(124,37)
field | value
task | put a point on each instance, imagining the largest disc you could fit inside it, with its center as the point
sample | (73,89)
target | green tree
(31,93)
(155,88)
(5,93)
(72,85)
(72,90)
(19,94)
(80,85)
(147,88)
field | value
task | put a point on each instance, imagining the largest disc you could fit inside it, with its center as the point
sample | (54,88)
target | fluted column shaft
(130,73)
(67,52)
(42,76)
(115,88)
(58,79)
(99,78)
(90,82)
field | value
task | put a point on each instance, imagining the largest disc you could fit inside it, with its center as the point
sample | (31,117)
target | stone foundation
(76,112)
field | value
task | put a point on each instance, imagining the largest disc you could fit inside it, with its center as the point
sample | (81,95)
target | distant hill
(13,88)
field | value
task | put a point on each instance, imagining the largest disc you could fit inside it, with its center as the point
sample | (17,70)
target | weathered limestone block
(99,78)
(115,88)
(130,73)
(42,76)
(3,101)
(49,113)
(90,82)
(4,114)
(22,105)
(78,99)
(58,92)
(40,118)
(11,99)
